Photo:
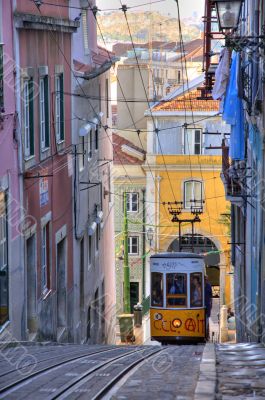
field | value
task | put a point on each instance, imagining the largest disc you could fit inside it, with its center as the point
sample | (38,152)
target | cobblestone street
(240,371)
(173,375)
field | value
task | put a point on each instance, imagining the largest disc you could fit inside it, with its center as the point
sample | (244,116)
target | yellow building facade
(183,166)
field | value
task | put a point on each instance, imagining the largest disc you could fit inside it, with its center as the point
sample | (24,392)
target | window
(28,118)
(97,236)
(90,144)
(193,196)
(133,245)
(192,141)
(178,76)
(157,289)
(4,307)
(82,153)
(132,202)
(85,31)
(89,249)
(59,108)
(107,97)
(196,289)
(44,112)
(176,290)
(1,76)
(45,278)
(96,137)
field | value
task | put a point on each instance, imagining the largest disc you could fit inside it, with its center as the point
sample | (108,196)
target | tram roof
(176,255)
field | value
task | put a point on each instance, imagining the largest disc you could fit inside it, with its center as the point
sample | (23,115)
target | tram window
(176,290)
(157,289)
(196,289)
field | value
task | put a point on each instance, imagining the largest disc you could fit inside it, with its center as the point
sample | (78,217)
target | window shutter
(31,117)
(47,111)
(62,107)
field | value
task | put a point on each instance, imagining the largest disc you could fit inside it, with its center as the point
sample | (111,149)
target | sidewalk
(232,372)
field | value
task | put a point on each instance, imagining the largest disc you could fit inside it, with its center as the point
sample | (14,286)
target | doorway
(134,294)
(61,284)
(31,269)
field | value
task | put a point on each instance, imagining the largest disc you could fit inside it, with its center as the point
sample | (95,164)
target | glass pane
(134,201)
(3,296)
(196,289)
(176,290)
(188,194)
(157,289)
(197,136)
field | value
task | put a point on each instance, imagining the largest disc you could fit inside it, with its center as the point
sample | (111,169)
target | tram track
(75,353)
(38,371)
(81,371)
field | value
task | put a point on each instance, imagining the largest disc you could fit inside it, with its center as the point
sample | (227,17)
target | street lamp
(228,13)
(150,235)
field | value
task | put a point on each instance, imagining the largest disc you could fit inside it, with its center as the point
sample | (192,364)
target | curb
(206,385)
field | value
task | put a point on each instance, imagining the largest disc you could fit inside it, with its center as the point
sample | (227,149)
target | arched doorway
(202,245)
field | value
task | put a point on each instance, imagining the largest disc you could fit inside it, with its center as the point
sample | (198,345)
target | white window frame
(189,141)
(130,245)
(26,123)
(58,108)
(44,260)
(42,113)
(82,153)
(130,202)
(3,236)
(187,203)
(85,31)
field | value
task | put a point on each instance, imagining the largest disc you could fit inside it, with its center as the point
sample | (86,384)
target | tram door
(134,294)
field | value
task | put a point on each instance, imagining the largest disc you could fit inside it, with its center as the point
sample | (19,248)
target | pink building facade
(42,38)
(11,265)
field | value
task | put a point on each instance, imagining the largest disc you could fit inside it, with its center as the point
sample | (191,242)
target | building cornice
(40,22)
(185,167)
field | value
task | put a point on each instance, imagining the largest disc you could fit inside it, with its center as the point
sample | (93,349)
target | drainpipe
(144,244)
(20,165)
(255,65)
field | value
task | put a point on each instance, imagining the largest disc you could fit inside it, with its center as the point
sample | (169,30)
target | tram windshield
(196,289)
(176,290)
(157,289)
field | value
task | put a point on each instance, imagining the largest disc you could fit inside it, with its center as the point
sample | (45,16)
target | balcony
(233,176)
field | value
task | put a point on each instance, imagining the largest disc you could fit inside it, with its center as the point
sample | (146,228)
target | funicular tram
(177,311)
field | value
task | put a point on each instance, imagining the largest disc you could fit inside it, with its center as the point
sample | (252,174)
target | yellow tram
(177,311)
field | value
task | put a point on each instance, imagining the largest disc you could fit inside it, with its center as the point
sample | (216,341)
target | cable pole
(126,270)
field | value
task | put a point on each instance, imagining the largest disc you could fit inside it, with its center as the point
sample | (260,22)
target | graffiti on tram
(187,325)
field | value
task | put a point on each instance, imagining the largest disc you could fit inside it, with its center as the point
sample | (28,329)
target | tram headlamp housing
(158,316)
(177,323)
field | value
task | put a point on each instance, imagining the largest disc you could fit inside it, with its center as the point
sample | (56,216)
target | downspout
(16,49)
(144,245)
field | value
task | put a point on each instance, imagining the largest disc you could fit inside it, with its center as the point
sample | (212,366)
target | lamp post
(150,235)
(228,13)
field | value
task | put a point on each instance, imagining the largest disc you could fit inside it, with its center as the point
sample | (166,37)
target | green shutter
(31,116)
(47,111)
(62,106)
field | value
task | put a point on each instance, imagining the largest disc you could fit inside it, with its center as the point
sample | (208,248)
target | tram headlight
(177,323)
(158,316)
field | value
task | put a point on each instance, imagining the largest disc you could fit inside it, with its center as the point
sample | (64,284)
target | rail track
(88,376)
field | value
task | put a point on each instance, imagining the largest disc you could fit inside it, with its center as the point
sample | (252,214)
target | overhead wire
(124,9)
(138,131)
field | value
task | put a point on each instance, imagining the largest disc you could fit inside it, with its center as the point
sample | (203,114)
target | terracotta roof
(119,156)
(99,58)
(120,49)
(188,102)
